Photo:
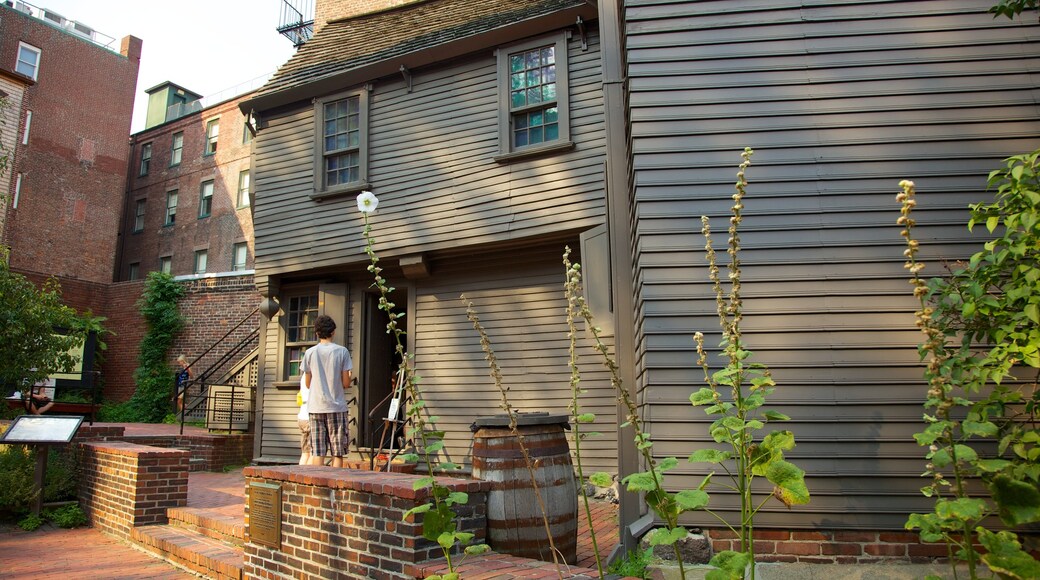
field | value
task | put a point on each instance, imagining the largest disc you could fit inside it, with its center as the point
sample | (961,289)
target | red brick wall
(122,485)
(832,546)
(345,522)
(326,10)
(74,166)
(226,225)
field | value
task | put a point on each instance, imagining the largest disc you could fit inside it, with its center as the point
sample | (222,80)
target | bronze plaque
(265,514)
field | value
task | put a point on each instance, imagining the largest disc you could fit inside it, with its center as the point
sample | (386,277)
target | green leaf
(438,522)
(1005,556)
(1018,502)
(731,564)
(691,499)
(457,497)
(965,453)
(601,479)
(981,429)
(446,540)
(641,481)
(702,397)
(733,423)
(775,416)
(961,509)
(666,537)
(709,456)
(478,549)
(420,509)
(464,537)
(778,441)
(422,482)
(585,418)
(789,481)
(666,464)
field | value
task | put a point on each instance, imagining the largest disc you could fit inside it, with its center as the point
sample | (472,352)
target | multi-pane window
(146,158)
(171,208)
(242,199)
(166,264)
(212,132)
(139,207)
(135,271)
(28,60)
(247,135)
(299,331)
(534,93)
(205,199)
(177,148)
(239,256)
(342,159)
(201,257)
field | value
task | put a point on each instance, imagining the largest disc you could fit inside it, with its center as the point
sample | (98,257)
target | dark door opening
(380,363)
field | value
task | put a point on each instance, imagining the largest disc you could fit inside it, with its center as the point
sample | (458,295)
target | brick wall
(123,485)
(344,523)
(74,165)
(326,10)
(832,546)
(124,320)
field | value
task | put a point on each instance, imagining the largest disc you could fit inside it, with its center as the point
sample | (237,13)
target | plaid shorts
(329,434)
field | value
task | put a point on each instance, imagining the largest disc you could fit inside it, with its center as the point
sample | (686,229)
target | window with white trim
(139,208)
(171,208)
(534,111)
(206,199)
(25,130)
(146,159)
(239,256)
(177,148)
(212,132)
(201,257)
(28,60)
(341,160)
(242,199)
(166,264)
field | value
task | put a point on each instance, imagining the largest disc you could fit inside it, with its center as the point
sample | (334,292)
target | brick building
(12,88)
(69,168)
(187,207)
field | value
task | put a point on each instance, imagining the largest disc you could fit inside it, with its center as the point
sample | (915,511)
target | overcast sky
(207,46)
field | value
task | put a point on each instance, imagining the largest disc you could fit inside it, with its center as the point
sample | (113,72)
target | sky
(204,46)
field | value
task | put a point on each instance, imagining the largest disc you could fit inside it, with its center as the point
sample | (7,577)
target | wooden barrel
(514,514)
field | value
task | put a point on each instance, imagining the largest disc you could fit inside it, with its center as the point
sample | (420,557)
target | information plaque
(265,514)
(42,429)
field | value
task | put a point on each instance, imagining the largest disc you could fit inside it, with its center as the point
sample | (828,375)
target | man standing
(326,370)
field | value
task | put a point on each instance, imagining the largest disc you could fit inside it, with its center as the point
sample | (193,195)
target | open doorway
(379,365)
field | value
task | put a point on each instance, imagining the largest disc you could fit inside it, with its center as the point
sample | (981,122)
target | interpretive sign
(265,514)
(28,429)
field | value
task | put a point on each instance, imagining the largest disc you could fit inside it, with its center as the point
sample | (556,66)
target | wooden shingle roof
(390,36)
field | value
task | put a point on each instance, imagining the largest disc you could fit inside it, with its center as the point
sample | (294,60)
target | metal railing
(196,393)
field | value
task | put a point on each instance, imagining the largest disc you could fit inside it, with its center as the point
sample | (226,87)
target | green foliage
(982,326)
(633,564)
(1012,8)
(736,395)
(30,347)
(154,377)
(31,522)
(17,478)
(67,516)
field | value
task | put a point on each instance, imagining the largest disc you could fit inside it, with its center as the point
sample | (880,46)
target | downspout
(619,231)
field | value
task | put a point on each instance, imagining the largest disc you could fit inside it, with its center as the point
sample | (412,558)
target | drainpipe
(620,234)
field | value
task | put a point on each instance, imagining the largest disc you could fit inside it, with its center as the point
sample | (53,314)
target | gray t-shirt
(326,363)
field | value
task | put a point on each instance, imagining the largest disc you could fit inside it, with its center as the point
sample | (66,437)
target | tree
(37,330)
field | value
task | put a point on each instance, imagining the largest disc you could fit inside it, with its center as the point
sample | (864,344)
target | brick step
(200,554)
(210,523)
(506,567)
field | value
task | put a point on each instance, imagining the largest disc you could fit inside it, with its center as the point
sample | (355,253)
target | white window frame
(242,197)
(212,137)
(506,114)
(166,264)
(25,131)
(242,247)
(18,59)
(170,217)
(321,190)
(140,206)
(146,160)
(206,198)
(201,261)
(176,153)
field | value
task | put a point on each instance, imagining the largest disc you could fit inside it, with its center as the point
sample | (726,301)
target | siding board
(840,102)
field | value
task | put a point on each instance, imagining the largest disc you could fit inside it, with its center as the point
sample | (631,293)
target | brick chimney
(326,10)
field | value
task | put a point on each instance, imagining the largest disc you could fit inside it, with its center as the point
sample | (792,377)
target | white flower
(367,202)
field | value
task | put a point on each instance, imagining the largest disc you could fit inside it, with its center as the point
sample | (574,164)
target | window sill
(535,151)
(284,385)
(340,191)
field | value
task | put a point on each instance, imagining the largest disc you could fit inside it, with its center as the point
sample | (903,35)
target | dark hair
(324,326)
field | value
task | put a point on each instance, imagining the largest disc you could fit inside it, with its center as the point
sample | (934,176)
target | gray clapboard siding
(431,164)
(840,102)
(523,309)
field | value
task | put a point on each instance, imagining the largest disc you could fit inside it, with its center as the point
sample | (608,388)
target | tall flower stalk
(439,521)
(736,394)
(575,299)
(496,377)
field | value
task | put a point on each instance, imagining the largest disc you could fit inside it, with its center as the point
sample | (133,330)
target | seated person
(37,403)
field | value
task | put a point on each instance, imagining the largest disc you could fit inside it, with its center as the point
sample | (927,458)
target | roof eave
(392,66)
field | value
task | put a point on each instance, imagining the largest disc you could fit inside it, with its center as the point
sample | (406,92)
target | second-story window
(139,207)
(239,256)
(533,95)
(166,264)
(212,132)
(146,158)
(177,148)
(28,60)
(205,199)
(341,162)
(171,208)
(242,200)
(201,257)
(135,271)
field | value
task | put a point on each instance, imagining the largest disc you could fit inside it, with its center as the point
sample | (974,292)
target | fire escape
(297,20)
